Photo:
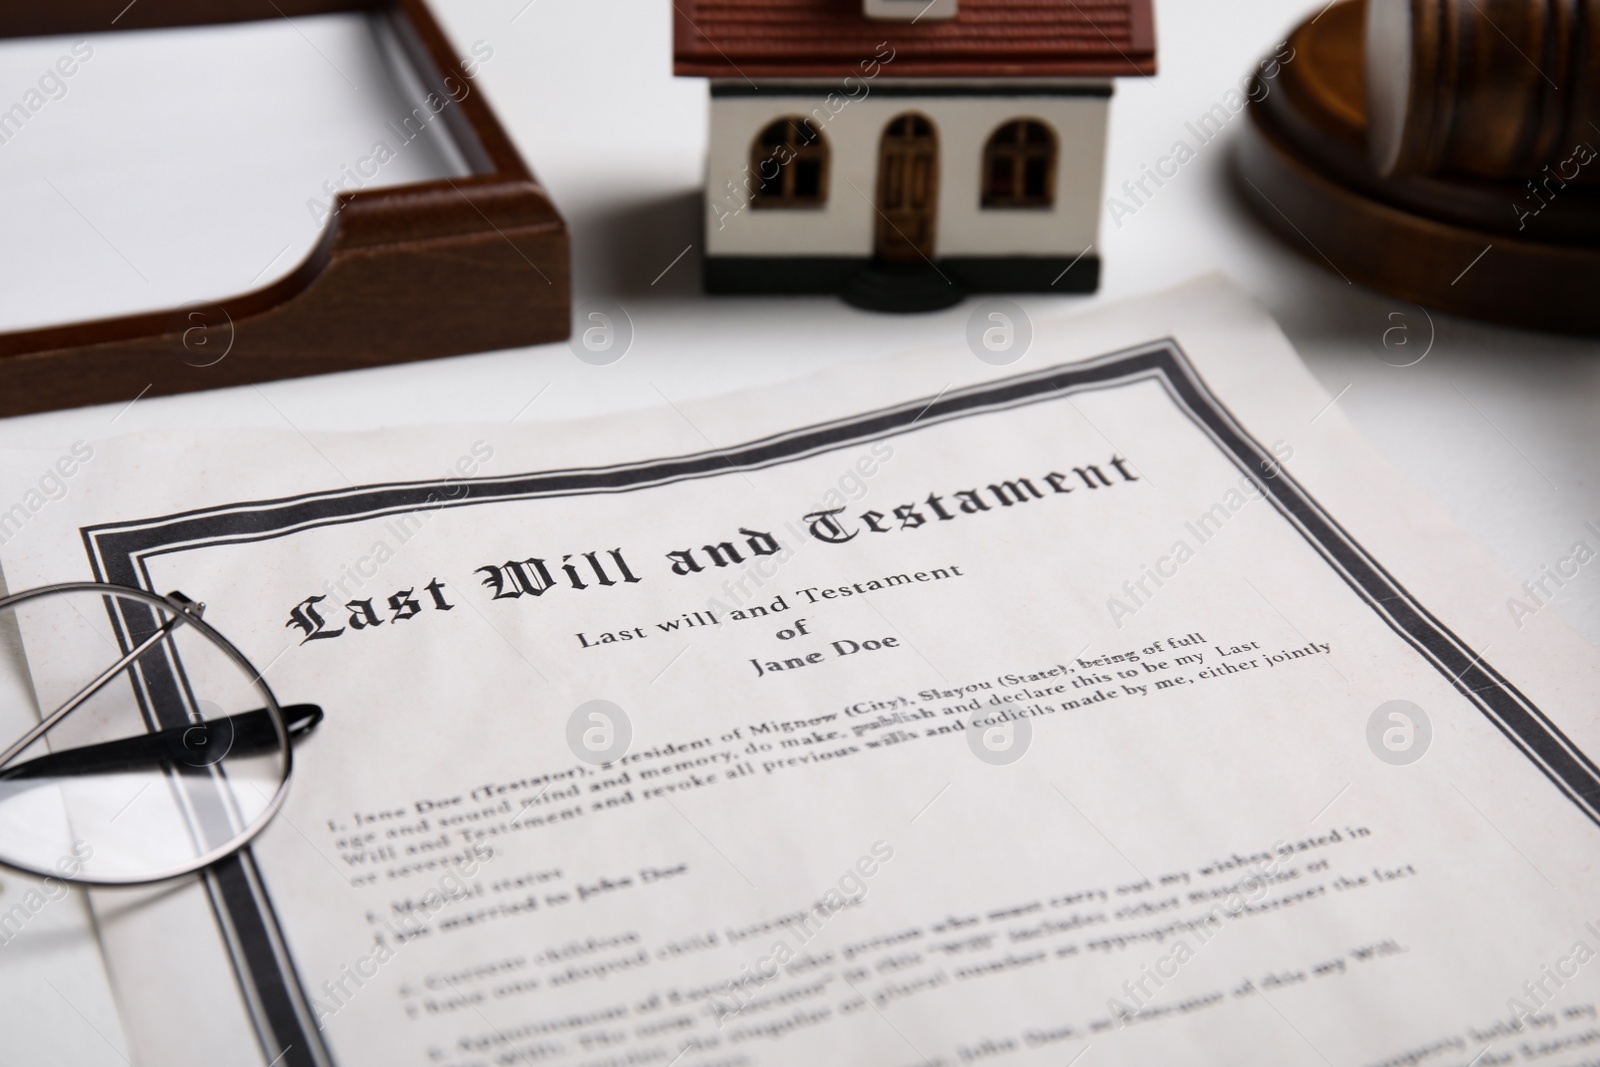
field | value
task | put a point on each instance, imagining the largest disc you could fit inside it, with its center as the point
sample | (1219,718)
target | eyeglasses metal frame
(189,613)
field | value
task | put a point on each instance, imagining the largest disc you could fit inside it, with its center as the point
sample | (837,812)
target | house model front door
(908,189)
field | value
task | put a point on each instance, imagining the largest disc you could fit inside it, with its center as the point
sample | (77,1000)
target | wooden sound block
(407,272)
(1525,254)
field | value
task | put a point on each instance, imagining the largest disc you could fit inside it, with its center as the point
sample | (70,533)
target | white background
(1496,423)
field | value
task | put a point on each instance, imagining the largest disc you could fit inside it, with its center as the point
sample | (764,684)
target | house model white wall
(961,138)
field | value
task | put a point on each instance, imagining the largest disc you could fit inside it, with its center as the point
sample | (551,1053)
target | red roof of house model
(986,39)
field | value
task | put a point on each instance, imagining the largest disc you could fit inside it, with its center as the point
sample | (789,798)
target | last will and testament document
(1116,706)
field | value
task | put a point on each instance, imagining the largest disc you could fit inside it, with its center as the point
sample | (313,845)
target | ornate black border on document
(119,552)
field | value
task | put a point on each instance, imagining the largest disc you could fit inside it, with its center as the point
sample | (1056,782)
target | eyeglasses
(147,745)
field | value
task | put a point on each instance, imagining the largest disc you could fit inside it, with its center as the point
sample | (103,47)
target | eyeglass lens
(165,764)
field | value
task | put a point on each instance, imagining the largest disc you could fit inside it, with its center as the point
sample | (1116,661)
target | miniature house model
(907,152)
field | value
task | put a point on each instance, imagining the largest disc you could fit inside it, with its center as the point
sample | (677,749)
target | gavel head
(1487,88)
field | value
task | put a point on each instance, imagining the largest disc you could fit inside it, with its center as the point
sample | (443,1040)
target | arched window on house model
(1019,165)
(789,162)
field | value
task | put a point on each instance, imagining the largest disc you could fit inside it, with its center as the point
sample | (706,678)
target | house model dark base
(901,286)
(905,153)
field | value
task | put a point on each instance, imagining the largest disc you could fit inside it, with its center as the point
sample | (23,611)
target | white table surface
(1499,425)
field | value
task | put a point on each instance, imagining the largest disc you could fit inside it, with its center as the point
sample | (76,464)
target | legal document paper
(1114,706)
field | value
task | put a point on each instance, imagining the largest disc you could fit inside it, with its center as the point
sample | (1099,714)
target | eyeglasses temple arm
(252,731)
(91,689)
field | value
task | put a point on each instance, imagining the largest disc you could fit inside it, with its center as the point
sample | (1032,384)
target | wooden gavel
(1445,152)
(1497,89)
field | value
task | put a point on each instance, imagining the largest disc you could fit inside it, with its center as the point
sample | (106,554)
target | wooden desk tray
(408,272)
